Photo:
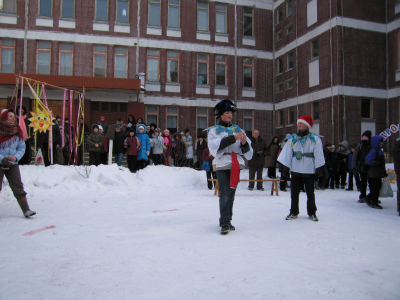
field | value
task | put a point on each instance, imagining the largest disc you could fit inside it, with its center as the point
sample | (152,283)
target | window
(95,106)
(366,108)
(154,12)
(248,122)
(279,88)
(289,8)
(45,8)
(247,21)
(7,56)
(281,121)
(172,119)
(202,69)
(290,61)
(289,29)
(153,57)
(122,11)
(101,10)
(248,72)
(220,66)
(314,49)
(114,107)
(66,59)
(291,115)
(279,65)
(8,6)
(220,16)
(202,16)
(68,9)
(289,84)
(104,106)
(315,107)
(121,62)
(173,66)
(100,58)
(43,65)
(279,14)
(173,13)
(202,121)
(279,36)
(152,114)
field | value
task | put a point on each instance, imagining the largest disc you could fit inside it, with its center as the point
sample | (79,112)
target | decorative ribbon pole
(63,121)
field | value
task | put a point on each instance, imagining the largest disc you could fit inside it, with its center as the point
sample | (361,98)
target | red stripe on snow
(38,230)
(156,211)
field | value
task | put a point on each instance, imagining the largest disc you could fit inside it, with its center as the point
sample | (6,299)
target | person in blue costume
(144,152)
(304,156)
(227,142)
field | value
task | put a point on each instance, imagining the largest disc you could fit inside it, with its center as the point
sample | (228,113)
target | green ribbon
(300,155)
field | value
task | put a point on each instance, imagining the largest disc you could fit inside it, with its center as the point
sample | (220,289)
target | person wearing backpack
(359,166)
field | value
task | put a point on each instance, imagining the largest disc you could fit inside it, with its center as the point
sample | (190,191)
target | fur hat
(306,120)
(95,126)
(223,106)
(368,134)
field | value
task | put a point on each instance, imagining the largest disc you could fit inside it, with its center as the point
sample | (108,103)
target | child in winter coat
(144,152)
(376,162)
(95,141)
(168,146)
(342,154)
(178,151)
(157,143)
(132,143)
(333,168)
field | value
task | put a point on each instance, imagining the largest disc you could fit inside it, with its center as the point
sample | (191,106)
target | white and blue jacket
(13,147)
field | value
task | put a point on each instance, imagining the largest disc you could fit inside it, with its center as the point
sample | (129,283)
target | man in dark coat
(103,124)
(396,157)
(256,164)
(272,156)
(359,166)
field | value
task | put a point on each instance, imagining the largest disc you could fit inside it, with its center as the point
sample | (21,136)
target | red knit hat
(306,120)
(4,114)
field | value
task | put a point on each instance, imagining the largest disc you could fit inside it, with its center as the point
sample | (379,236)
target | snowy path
(155,235)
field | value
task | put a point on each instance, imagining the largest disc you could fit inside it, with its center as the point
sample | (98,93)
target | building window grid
(289,29)
(173,66)
(152,114)
(174,12)
(289,8)
(248,72)
(279,87)
(366,109)
(281,120)
(315,110)
(220,70)
(279,65)
(279,36)
(43,58)
(289,61)
(68,9)
(121,62)
(8,7)
(153,65)
(7,56)
(314,48)
(291,115)
(220,18)
(154,13)
(100,61)
(289,84)
(101,10)
(45,8)
(202,68)
(202,120)
(248,21)
(279,15)
(202,16)
(122,11)
(66,58)
(172,119)
(248,122)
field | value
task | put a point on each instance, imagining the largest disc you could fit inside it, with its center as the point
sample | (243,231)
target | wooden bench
(274,186)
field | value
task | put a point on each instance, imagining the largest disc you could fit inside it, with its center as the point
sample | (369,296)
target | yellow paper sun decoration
(40,121)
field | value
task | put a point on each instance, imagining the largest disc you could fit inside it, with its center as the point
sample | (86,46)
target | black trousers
(363,185)
(271,172)
(252,175)
(331,180)
(94,158)
(297,184)
(375,185)
(132,163)
(351,184)
(104,158)
(210,174)
(341,178)
(283,184)
(157,159)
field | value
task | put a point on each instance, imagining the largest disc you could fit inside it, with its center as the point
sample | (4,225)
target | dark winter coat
(43,137)
(178,149)
(260,151)
(376,159)
(396,157)
(332,162)
(343,156)
(132,143)
(145,141)
(95,138)
(360,153)
(118,143)
(131,123)
(200,150)
(272,154)
(104,125)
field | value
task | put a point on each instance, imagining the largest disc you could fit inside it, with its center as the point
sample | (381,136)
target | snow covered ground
(155,235)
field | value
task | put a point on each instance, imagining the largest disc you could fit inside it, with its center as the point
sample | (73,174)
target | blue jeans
(118,158)
(226,198)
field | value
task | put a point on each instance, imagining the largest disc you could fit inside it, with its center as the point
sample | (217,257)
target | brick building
(336,60)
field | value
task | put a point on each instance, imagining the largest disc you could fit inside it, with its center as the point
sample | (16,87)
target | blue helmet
(223,106)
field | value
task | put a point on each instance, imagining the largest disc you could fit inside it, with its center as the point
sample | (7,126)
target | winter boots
(23,203)
(291,217)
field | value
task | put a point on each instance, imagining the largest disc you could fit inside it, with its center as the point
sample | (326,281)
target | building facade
(335,60)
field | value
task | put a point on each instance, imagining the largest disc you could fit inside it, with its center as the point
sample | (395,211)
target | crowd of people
(300,157)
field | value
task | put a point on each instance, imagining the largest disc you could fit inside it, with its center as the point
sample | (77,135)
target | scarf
(8,131)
